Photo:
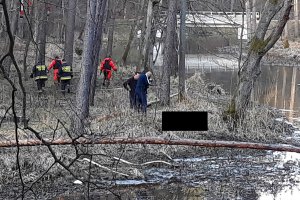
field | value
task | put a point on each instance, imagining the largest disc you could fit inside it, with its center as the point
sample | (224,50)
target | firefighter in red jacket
(107,65)
(56,65)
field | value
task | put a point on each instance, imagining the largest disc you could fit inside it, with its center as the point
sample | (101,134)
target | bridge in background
(218,20)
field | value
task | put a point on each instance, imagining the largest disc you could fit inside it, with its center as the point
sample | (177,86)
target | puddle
(291,190)
(274,175)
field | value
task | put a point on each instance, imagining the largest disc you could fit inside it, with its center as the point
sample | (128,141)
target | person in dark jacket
(39,72)
(65,74)
(141,91)
(131,82)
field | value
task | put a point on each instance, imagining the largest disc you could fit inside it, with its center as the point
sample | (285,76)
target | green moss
(230,112)
(258,45)
(286,43)
(274,2)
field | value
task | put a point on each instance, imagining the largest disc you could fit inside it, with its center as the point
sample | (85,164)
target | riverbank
(260,126)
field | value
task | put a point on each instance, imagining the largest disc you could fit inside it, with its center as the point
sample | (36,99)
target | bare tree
(146,45)
(13,15)
(130,39)
(92,45)
(260,44)
(132,31)
(111,26)
(28,35)
(70,27)
(167,58)
(296,17)
(41,32)
(253,23)
(182,44)
(248,19)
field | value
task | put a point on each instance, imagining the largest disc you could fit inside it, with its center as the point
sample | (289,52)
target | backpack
(57,64)
(107,65)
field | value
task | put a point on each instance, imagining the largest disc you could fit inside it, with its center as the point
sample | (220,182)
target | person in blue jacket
(141,91)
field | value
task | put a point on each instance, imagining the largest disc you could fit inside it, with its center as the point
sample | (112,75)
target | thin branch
(5,115)
(103,167)
(146,163)
(48,144)
(275,35)
(39,178)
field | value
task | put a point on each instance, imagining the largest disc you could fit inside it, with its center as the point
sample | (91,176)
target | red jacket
(54,65)
(110,63)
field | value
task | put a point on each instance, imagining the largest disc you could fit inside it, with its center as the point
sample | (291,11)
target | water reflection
(290,192)
(277,86)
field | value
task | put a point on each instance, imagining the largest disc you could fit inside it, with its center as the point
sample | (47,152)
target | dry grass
(111,116)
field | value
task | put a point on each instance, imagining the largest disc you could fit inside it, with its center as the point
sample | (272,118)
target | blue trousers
(141,98)
(133,102)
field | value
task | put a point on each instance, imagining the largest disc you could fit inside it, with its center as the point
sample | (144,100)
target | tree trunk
(152,41)
(181,87)
(2,25)
(146,45)
(93,85)
(13,16)
(253,22)
(111,29)
(156,141)
(41,34)
(36,20)
(70,29)
(167,57)
(28,35)
(61,29)
(132,32)
(95,70)
(81,34)
(248,19)
(232,3)
(130,39)
(296,18)
(142,29)
(259,45)
(293,92)
(90,61)
(174,57)
(286,31)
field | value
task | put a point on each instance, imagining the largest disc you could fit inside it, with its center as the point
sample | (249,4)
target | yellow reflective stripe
(65,78)
(40,77)
(41,67)
(66,69)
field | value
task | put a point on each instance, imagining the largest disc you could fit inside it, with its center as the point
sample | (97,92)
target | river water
(279,87)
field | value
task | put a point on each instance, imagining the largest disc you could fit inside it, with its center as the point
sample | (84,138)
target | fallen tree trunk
(155,140)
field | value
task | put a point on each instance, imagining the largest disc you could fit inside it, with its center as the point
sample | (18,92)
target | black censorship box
(184,121)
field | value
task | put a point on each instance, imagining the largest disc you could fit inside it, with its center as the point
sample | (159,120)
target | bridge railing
(206,17)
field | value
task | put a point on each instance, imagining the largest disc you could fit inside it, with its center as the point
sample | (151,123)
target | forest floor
(49,115)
